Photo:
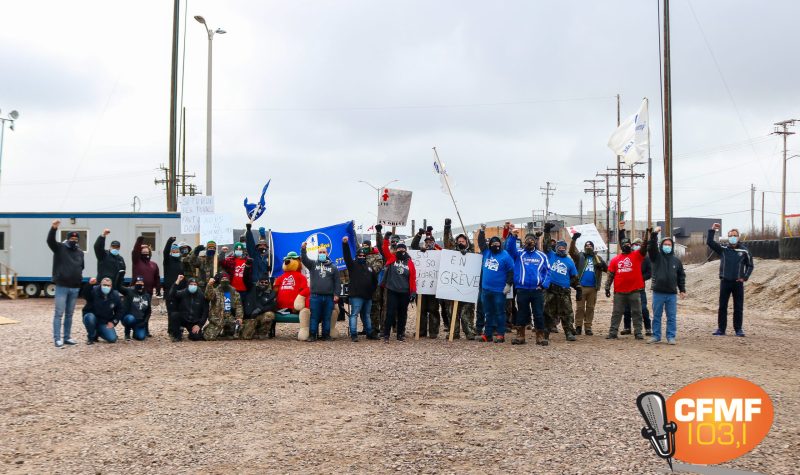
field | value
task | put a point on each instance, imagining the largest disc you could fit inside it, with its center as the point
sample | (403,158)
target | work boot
(354,338)
(539,337)
(545,338)
(570,337)
(578,330)
(611,336)
(626,331)
(589,332)
(639,336)
(520,339)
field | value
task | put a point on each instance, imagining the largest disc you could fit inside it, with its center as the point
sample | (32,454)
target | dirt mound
(774,285)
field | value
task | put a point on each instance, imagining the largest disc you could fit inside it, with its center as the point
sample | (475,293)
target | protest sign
(217,228)
(427,265)
(588,233)
(393,207)
(459,276)
(192,207)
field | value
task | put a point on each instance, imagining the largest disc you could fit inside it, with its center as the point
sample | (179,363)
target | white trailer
(23,245)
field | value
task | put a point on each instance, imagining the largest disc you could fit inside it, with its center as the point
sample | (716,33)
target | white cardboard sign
(459,276)
(217,228)
(393,207)
(192,207)
(427,265)
(588,233)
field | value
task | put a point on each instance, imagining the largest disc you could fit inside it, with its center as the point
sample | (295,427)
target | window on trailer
(82,236)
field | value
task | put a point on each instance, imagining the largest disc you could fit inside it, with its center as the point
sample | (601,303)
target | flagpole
(447,183)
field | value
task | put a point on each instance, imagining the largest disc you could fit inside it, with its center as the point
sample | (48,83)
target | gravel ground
(282,406)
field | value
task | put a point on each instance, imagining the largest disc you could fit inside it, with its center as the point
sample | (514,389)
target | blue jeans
(660,301)
(494,309)
(360,307)
(65,306)
(95,329)
(530,301)
(139,329)
(321,309)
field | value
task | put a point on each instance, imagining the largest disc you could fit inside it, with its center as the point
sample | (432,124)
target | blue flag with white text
(329,238)
(255,210)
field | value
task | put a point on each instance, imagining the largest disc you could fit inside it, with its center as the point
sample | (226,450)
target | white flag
(631,139)
(444,178)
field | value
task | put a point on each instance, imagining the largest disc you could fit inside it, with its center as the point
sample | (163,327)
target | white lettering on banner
(393,207)
(427,266)
(192,207)
(588,232)
(217,228)
(459,276)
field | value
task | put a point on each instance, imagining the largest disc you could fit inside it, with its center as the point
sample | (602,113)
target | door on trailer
(152,237)
(5,242)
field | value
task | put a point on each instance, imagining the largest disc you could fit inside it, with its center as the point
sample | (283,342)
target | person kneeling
(137,310)
(191,310)
(102,311)
(259,309)
(225,309)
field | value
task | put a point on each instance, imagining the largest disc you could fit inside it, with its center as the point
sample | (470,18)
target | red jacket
(627,270)
(288,286)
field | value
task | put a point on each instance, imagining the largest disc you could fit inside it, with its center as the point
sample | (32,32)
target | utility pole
(580,210)
(752,208)
(172,189)
(781,128)
(762,214)
(619,170)
(547,193)
(594,190)
(667,124)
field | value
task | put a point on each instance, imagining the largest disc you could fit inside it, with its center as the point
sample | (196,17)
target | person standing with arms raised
(67,275)
(735,267)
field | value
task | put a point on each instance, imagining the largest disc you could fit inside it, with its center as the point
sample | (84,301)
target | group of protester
(529,280)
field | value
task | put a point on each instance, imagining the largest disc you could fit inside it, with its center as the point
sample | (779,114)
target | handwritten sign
(217,228)
(588,233)
(192,207)
(459,276)
(393,207)
(427,265)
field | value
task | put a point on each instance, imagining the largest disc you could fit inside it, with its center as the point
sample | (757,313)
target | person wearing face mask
(735,267)
(225,312)
(558,297)
(669,281)
(259,309)
(109,262)
(647,273)
(590,267)
(325,290)
(531,270)
(625,273)
(496,283)
(192,309)
(400,281)
(235,266)
(259,252)
(103,311)
(67,275)
(363,281)
(376,260)
(136,310)
(174,255)
(430,320)
(466,310)
(202,266)
(144,266)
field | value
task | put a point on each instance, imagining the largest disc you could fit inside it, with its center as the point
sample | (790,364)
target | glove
(507,289)
(548,227)
(608,292)
(262,231)
(378,227)
(387,235)
(578,294)
(576,236)
(447,221)
(430,229)
(420,232)
(249,261)
(248,225)
(537,234)
(412,296)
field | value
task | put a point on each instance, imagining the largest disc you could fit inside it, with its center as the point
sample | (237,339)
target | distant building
(690,230)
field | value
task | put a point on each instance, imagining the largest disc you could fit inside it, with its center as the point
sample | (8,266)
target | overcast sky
(318,95)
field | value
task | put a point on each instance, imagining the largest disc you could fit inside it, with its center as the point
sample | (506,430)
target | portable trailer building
(23,246)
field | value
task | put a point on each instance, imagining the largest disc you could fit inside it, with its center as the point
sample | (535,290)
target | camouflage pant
(466,315)
(219,328)
(376,313)
(258,327)
(558,305)
(429,321)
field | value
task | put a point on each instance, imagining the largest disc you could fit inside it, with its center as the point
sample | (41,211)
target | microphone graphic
(659,431)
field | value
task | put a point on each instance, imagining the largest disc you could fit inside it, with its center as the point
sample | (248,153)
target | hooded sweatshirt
(668,274)
(531,268)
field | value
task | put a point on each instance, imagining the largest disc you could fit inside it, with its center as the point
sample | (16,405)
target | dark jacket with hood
(136,304)
(108,265)
(107,308)
(324,276)
(192,307)
(173,266)
(734,262)
(67,262)
(363,278)
(668,274)
(261,263)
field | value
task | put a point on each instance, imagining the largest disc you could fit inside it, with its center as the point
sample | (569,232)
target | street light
(211,33)
(12,116)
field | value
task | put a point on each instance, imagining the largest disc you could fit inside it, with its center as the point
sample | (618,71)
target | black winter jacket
(67,262)
(107,308)
(173,266)
(363,279)
(108,265)
(668,274)
(136,304)
(192,307)
(734,262)
(259,301)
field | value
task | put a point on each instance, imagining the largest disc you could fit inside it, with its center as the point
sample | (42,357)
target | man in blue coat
(735,267)
(531,269)
(496,281)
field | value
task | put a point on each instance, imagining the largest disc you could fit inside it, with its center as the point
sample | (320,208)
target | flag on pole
(631,140)
(444,178)
(255,210)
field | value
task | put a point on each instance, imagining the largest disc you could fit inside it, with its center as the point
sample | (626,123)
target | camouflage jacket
(449,241)
(216,303)
(200,267)
(375,261)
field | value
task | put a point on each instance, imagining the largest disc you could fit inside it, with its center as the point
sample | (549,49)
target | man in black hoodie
(363,281)
(192,309)
(102,312)
(137,308)
(110,263)
(668,279)
(67,275)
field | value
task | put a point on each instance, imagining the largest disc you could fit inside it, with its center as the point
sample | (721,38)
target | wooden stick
(419,314)
(453,320)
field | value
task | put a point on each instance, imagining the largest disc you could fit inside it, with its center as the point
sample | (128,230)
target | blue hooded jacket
(531,268)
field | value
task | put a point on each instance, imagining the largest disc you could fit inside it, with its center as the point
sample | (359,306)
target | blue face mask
(237,253)
(210,252)
(106,290)
(114,252)
(192,289)
(733,240)
(667,249)
(175,254)
(322,257)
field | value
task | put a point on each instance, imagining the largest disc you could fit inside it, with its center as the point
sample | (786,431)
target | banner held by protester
(329,237)
(393,207)
(192,208)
